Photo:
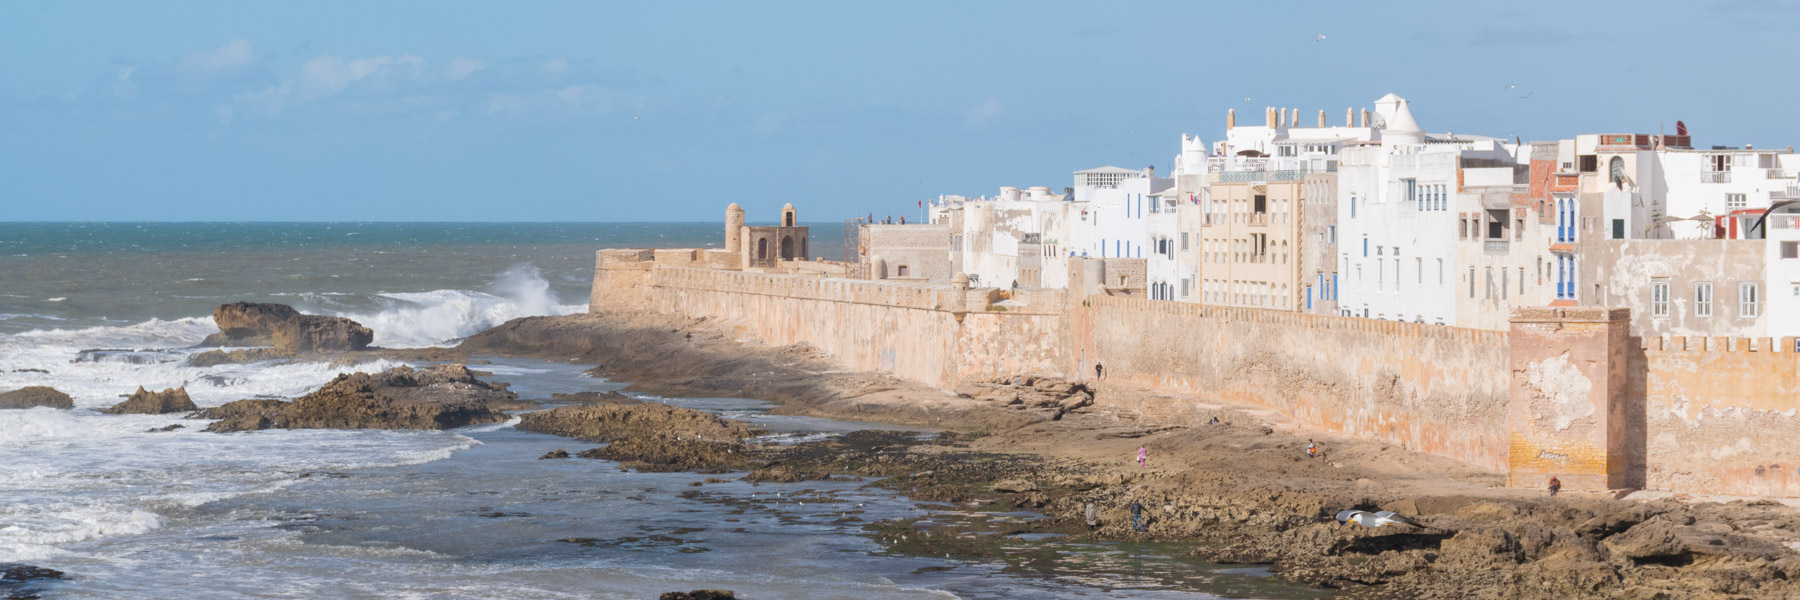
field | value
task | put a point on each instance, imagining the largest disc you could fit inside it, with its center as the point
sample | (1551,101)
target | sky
(667,111)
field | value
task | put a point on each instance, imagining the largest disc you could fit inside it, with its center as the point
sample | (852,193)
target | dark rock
(145,402)
(235,357)
(440,397)
(594,398)
(19,581)
(700,595)
(557,453)
(165,429)
(35,396)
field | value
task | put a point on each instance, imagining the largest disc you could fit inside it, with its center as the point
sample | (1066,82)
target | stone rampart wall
(919,332)
(1439,390)
(1722,415)
(1564,393)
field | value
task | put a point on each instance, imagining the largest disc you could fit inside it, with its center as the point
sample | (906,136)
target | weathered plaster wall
(1438,390)
(1567,414)
(923,249)
(1721,415)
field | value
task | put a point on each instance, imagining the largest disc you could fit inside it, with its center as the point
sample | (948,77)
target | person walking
(1093,515)
(1099,371)
(1555,486)
(1143,456)
(1137,516)
(1312,449)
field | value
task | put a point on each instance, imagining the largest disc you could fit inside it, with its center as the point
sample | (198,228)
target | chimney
(1321,118)
(1294,119)
(1150,171)
(1269,117)
(1230,119)
(1365,118)
(1349,117)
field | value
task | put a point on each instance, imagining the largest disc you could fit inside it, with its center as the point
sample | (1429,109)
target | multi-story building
(1398,204)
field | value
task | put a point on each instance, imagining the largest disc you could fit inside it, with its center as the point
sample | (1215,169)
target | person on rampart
(1099,371)
(1555,486)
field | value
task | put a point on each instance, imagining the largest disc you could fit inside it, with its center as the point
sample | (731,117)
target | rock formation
(288,330)
(146,402)
(648,436)
(1029,392)
(440,397)
(35,396)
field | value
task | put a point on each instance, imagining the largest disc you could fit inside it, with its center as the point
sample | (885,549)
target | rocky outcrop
(145,402)
(648,436)
(440,397)
(314,333)
(699,595)
(594,398)
(613,422)
(288,330)
(235,357)
(1024,392)
(35,396)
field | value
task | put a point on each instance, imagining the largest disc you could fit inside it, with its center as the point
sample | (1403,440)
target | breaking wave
(442,316)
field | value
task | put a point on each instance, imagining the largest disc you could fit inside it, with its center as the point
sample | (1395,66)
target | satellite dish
(1680,128)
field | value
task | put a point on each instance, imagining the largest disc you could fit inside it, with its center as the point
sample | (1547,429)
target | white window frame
(1703,299)
(1749,299)
(1659,298)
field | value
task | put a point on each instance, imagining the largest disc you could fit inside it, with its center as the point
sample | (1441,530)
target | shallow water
(470,513)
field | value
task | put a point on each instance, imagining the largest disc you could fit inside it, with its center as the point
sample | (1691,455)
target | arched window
(762,249)
(787,248)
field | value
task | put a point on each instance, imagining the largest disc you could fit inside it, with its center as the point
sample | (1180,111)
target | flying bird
(1375,519)
(1321,38)
(1246,98)
(1511,85)
(1527,94)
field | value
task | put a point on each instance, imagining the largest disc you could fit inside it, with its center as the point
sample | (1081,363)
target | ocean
(469,513)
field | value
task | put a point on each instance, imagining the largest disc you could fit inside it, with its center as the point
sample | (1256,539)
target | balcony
(1496,246)
(1780,174)
(1715,177)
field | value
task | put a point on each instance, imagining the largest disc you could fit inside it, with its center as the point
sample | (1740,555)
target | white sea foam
(412,319)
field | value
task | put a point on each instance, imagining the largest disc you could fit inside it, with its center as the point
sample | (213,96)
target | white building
(1397,220)
(1112,220)
(1014,237)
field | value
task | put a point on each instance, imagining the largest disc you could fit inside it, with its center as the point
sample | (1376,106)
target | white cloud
(463,66)
(328,75)
(234,55)
(556,66)
(987,111)
(572,99)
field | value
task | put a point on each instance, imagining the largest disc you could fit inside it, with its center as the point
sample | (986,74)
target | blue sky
(604,111)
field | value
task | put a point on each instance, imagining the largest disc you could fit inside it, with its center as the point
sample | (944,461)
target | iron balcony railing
(1715,177)
(1497,246)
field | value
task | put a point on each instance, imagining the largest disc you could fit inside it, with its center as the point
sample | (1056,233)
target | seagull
(1246,98)
(1321,38)
(1527,94)
(1376,519)
(1511,85)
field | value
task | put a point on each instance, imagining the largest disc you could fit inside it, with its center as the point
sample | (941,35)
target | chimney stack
(1230,118)
(1349,117)
(1321,118)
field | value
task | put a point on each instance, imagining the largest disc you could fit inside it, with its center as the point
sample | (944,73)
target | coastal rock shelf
(35,396)
(440,397)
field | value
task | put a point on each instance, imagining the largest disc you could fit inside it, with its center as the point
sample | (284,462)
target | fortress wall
(1722,415)
(1439,390)
(1564,392)
(906,329)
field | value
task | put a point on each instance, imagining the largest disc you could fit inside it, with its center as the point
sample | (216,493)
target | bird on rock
(1374,519)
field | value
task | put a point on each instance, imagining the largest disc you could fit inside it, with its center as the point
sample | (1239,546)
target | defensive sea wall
(1440,390)
(1566,392)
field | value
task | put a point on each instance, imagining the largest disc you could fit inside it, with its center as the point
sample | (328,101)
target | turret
(734,226)
(788,218)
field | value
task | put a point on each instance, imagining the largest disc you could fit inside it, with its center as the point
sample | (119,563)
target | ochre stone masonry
(1567,412)
(1566,392)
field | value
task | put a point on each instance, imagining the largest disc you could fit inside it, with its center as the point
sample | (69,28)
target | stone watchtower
(734,228)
